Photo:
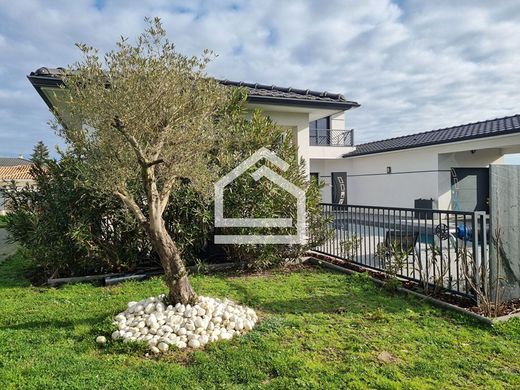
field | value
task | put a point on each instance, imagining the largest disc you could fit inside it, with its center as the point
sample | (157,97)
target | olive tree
(145,115)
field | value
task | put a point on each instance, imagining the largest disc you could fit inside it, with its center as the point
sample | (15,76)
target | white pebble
(163,347)
(101,340)
(161,326)
(194,343)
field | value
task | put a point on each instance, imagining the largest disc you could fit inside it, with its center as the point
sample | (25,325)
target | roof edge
(52,77)
(441,142)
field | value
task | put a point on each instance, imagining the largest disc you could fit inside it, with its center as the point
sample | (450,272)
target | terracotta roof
(476,130)
(16,172)
(257,93)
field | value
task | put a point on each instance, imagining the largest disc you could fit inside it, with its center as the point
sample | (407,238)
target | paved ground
(6,248)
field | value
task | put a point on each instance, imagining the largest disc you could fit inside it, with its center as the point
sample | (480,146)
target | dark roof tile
(256,92)
(13,161)
(489,128)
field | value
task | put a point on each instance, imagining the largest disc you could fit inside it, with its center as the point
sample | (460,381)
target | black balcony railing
(331,137)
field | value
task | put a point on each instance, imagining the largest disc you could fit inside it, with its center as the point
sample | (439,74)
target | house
(449,168)
(445,168)
(15,170)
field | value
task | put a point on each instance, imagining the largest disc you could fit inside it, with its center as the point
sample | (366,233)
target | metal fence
(440,250)
(328,137)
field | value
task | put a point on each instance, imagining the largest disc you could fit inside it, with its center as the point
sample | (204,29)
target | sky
(412,65)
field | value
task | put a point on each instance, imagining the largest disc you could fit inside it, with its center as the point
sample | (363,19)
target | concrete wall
(337,121)
(505,215)
(369,184)
(299,122)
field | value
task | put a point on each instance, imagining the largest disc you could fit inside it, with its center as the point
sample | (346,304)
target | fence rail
(437,249)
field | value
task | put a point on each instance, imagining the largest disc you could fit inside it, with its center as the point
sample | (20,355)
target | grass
(319,330)
(3,221)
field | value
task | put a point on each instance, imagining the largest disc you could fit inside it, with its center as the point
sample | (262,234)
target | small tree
(145,116)
(40,153)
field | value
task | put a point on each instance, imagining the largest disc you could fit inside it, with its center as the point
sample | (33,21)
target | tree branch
(129,202)
(160,143)
(165,192)
(141,157)
(151,164)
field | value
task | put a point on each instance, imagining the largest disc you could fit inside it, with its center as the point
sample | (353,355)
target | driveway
(6,248)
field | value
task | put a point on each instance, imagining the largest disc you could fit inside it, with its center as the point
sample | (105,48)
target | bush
(245,197)
(71,229)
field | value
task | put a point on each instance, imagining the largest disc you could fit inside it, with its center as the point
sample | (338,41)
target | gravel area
(182,326)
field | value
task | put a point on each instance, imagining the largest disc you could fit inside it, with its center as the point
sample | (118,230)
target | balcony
(330,137)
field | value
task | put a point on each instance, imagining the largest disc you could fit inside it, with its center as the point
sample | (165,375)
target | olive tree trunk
(175,275)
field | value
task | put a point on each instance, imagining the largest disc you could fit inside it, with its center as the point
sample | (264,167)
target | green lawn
(318,330)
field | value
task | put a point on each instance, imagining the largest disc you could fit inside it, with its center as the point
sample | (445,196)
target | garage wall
(414,175)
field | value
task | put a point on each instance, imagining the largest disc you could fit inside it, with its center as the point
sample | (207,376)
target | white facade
(298,119)
(416,173)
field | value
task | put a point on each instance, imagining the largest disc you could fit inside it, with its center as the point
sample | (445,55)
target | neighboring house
(15,170)
(446,167)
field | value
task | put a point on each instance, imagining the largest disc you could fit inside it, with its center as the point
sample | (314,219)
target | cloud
(413,65)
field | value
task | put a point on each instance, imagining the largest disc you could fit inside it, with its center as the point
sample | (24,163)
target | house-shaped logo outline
(264,171)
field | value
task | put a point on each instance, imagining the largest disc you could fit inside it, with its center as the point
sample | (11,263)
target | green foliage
(40,153)
(392,284)
(394,256)
(349,247)
(189,219)
(69,228)
(247,198)
(3,220)
(47,338)
(142,114)
(72,228)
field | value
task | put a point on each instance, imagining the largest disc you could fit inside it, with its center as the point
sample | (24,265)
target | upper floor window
(319,131)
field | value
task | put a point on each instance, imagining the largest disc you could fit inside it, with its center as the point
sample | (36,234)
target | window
(319,131)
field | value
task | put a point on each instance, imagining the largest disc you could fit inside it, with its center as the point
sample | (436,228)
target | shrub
(72,229)
(245,197)
(68,228)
